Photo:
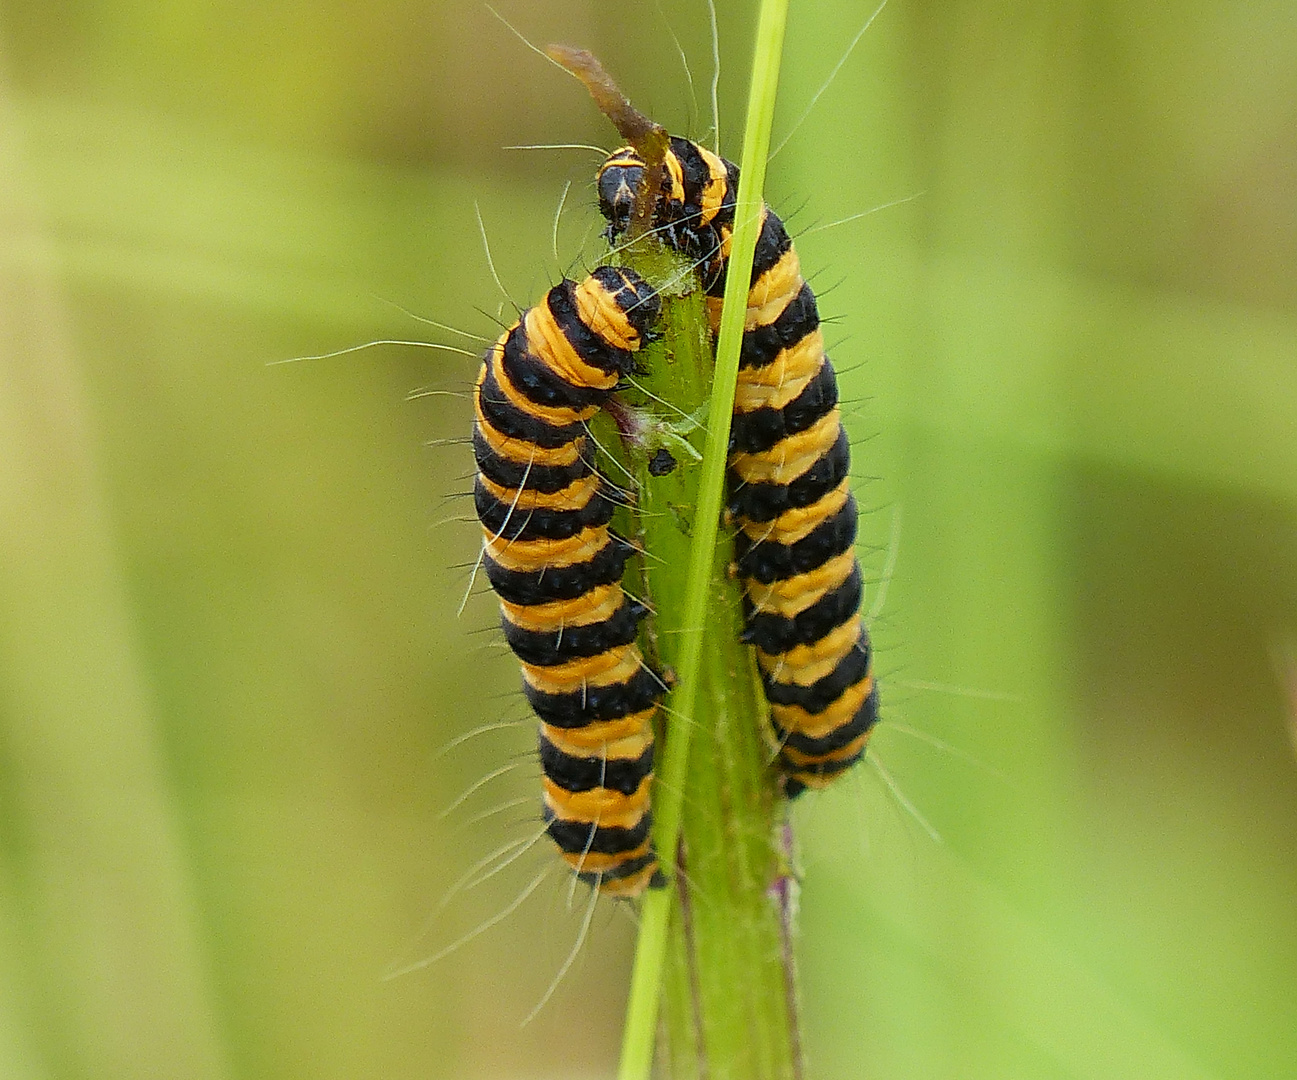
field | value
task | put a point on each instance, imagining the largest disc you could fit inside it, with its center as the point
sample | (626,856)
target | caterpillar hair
(556,568)
(789,461)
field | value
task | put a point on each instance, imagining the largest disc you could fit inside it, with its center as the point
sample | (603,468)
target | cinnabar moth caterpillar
(788,468)
(556,567)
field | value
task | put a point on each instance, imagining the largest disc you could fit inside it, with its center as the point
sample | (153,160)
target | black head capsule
(619,179)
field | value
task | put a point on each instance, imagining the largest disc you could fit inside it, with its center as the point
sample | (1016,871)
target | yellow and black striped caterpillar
(556,567)
(788,463)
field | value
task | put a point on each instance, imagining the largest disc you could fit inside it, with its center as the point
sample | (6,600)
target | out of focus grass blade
(103,890)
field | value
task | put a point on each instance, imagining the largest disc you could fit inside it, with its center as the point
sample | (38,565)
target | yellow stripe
(834,643)
(595,734)
(576,496)
(621,158)
(599,806)
(592,607)
(796,758)
(676,175)
(727,245)
(718,182)
(632,886)
(790,457)
(555,416)
(774,290)
(817,725)
(806,674)
(546,340)
(799,523)
(593,862)
(521,451)
(577,743)
(599,310)
(777,383)
(714,306)
(793,595)
(537,554)
(611,668)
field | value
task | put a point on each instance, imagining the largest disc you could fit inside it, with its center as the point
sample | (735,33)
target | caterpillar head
(619,179)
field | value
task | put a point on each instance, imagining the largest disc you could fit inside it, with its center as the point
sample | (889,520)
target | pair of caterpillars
(556,566)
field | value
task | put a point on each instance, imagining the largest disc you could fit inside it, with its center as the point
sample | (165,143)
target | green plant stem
(656,911)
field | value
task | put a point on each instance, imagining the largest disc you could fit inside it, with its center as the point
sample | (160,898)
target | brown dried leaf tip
(649,139)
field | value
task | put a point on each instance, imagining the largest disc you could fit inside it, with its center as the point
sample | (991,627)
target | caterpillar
(789,461)
(556,568)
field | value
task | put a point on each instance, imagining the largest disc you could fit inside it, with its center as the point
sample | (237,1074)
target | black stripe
(772,244)
(693,169)
(684,230)
(707,251)
(768,562)
(822,693)
(761,344)
(758,430)
(696,175)
(701,245)
(637,299)
(705,240)
(759,502)
(560,582)
(575,837)
(628,868)
(587,344)
(730,199)
(545,648)
(515,423)
(501,470)
(509,522)
(533,374)
(588,773)
(824,770)
(865,718)
(776,634)
(595,704)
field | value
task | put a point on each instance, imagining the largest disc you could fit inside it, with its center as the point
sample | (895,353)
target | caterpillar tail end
(647,875)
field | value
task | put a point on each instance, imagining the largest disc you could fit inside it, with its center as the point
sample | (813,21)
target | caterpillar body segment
(789,464)
(556,568)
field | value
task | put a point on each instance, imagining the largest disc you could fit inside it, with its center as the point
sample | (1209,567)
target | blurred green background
(230,663)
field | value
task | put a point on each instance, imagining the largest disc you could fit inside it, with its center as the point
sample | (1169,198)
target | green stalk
(729,1003)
